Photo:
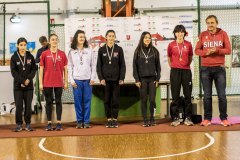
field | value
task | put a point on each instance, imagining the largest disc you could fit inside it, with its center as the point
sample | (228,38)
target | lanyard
(54,60)
(110,56)
(146,56)
(24,61)
(80,54)
(180,51)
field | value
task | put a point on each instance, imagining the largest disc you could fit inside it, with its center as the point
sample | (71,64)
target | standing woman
(179,59)
(111,71)
(52,78)
(23,69)
(82,73)
(146,72)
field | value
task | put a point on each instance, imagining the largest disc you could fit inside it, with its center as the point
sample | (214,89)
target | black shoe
(87,125)
(18,128)
(152,122)
(115,123)
(145,123)
(58,127)
(49,127)
(28,128)
(79,125)
(109,124)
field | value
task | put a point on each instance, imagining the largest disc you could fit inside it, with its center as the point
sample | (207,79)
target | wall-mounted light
(15,19)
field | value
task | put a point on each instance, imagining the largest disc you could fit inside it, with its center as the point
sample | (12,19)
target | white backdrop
(128,31)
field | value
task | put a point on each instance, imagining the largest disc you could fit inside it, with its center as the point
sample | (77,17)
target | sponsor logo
(115,54)
(128,37)
(18,63)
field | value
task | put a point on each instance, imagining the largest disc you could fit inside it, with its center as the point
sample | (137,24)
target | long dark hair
(21,39)
(141,44)
(75,40)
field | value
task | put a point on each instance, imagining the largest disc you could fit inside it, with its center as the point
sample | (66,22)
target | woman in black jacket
(146,72)
(23,69)
(111,71)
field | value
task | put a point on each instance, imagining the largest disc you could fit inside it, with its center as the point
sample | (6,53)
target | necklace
(180,51)
(146,56)
(54,60)
(24,61)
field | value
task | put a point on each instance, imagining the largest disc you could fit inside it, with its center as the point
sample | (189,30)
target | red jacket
(207,41)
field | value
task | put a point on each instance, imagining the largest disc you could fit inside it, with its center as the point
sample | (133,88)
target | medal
(110,55)
(22,62)
(81,56)
(146,56)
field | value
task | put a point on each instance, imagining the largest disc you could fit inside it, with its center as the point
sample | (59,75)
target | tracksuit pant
(181,78)
(111,99)
(20,97)
(82,99)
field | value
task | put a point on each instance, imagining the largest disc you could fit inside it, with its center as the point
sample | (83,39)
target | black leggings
(48,93)
(147,90)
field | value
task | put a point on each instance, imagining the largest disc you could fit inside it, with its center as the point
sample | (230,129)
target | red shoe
(225,123)
(206,123)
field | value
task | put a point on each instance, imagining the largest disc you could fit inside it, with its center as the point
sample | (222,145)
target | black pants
(178,78)
(111,99)
(48,93)
(25,96)
(147,90)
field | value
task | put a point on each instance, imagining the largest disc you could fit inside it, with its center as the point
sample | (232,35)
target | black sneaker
(58,127)
(28,128)
(114,124)
(109,124)
(79,125)
(153,122)
(18,128)
(87,125)
(49,127)
(145,123)
(188,122)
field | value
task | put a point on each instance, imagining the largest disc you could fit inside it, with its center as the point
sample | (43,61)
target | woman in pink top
(53,78)
(179,59)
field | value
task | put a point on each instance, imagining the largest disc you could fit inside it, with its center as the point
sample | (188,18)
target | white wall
(31,27)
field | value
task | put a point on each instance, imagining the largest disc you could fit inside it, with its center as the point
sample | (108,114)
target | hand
(138,84)
(121,82)
(22,85)
(65,85)
(211,51)
(156,84)
(91,82)
(40,87)
(27,81)
(74,85)
(103,82)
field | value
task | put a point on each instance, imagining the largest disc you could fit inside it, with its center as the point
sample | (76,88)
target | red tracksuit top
(207,41)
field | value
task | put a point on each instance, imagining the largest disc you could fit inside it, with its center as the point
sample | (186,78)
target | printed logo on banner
(83,19)
(128,37)
(183,22)
(185,16)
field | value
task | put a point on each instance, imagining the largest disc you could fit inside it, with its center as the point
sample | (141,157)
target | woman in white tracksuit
(82,72)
